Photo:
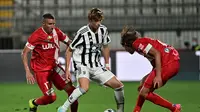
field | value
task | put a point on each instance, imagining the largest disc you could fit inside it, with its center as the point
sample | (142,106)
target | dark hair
(95,14)
(128,36)
(48,16)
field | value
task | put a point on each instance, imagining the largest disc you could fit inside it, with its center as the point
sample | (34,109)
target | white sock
(73,97)
(119,97)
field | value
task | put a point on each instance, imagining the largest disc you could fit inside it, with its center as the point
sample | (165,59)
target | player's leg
(107,78)
(156,99)
(118,91)
(82,75)
(170,71)
(146,91)
(49,95)
(140,99)
(60,82)
(69,88)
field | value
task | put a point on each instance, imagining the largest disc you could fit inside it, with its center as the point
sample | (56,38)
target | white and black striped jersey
(87,46)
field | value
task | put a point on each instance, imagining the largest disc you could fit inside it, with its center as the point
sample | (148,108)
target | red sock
(158,100)
(140,102)
(74,106)
(44,100)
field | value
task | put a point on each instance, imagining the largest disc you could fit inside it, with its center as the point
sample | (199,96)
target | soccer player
(45,47)
(86,49)
(165,60)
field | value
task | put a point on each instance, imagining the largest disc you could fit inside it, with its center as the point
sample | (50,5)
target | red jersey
(168,53)
(46,48)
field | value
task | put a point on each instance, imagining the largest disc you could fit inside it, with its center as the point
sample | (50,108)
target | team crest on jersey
(167,50)
(90,38)
(49,37)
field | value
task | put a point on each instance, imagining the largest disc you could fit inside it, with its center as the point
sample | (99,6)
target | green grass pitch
(14,97)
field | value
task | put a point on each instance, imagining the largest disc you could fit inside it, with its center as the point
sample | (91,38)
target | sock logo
(70,97)
(50,91)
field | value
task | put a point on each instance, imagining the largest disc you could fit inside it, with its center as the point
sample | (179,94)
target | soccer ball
(109,110)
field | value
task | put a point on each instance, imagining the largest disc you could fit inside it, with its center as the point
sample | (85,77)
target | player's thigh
(148,83)
(44,83)
(84,83)
(143,80)
(170,71)
(114,83)
(58,78)
(105,77)
(82,76)
(82,71)
(144,91)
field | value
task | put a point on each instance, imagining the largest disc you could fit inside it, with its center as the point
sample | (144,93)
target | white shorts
(99,75)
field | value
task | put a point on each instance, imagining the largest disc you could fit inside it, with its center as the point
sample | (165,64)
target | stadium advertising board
(131,67)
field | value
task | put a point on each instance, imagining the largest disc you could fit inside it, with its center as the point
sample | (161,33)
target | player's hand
(68,75)
(157,82)
(30,78)
(108,68)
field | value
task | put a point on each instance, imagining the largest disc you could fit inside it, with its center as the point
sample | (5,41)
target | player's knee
(139,88)
(51,98)
(121,88)
(69,86)
(118,85)
(143,93)
(121,85)
(143,80)
(85,88)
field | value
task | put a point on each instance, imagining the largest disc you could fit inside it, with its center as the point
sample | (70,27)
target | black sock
(34,103)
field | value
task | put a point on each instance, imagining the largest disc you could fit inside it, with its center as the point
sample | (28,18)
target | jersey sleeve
(142,45)
(62,36)
(76,41)
(106,39)
(32,41)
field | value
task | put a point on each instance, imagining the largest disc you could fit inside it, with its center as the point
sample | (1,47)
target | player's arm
(106,49)
(156,54)
(68,56)
(24,56)
(106,54)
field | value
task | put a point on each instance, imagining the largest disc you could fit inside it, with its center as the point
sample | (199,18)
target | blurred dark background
(175,22)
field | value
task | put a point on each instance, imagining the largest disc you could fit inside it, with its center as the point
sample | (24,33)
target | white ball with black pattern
(109,110)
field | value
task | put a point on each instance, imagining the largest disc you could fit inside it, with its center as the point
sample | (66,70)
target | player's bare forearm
(69,42)
(158,63)
(24,56)
(156,54)
(106,53)
(68,55)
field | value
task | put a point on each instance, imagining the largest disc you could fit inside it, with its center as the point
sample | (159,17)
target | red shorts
(45,79)
(168,71)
